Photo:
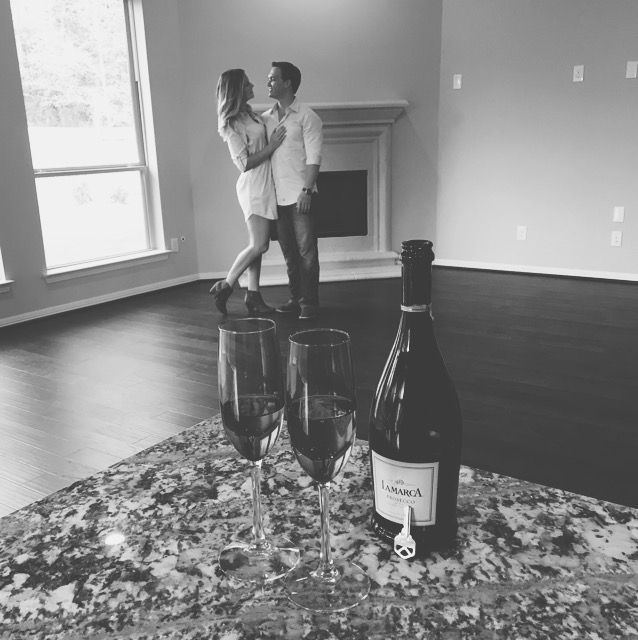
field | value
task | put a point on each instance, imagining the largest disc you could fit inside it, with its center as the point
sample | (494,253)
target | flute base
(339,590)
(263,563)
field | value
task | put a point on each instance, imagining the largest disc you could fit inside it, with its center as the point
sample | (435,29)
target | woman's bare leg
(249,259)
(253,273)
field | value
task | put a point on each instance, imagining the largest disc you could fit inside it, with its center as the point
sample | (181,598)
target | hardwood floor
(546,370)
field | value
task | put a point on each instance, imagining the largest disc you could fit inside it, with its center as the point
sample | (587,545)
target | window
(3,277)
(79,79)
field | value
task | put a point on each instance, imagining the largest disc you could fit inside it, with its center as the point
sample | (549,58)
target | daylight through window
(3,277)
(78,72)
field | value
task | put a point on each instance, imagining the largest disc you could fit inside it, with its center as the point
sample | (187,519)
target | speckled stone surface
(531,562)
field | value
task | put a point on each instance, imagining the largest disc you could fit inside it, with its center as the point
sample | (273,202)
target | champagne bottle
(415,421)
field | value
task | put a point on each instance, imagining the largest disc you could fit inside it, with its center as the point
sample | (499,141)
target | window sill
(102,266)
(5,285)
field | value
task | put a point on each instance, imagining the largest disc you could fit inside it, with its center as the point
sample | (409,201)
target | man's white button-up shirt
(301,147)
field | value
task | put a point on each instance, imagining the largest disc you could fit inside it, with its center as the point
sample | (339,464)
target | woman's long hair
(230,98)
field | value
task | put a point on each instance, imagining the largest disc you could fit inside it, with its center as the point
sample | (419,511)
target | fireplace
(341,204)
(354,194)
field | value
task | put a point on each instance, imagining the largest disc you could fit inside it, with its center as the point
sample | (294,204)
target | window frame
(155,243)
(5,283)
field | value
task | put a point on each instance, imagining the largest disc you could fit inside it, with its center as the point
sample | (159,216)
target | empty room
(318,319)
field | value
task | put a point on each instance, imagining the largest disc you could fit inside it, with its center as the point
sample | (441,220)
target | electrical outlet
(579,73)
(457,81)
(619,214)
(521,232)
(616,238)
(174,244)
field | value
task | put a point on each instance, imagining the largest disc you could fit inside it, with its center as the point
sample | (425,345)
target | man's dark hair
(289,72)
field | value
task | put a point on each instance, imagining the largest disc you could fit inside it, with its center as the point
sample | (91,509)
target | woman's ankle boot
(221,291)
(255,304)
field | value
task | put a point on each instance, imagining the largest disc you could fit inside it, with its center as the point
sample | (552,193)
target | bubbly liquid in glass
(322,430)
(252,424)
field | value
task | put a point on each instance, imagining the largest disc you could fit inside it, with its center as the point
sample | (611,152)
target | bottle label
(399,483)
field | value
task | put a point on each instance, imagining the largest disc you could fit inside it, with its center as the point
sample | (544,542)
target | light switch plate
(619,214)
(616,238)
(579,73)
(457,81)
(632,69)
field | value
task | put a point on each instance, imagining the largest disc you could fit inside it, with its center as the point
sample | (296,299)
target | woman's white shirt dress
(255,187)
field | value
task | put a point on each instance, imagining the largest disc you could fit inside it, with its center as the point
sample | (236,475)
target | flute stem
(259,537)
(326,569)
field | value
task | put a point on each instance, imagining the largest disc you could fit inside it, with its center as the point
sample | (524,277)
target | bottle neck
(417,286)
(416,328)
(418,308)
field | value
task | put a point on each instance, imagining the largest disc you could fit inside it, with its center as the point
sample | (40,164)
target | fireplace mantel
(357,135)
(354,113)
(364,112)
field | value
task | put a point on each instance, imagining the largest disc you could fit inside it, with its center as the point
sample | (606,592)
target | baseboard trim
(272,279)
(90,302)
(546,271)
(334,267)
(327,275)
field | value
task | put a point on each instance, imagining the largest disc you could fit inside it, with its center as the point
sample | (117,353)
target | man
(295,167)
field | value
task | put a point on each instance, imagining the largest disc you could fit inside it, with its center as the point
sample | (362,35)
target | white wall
(347,51)
(521,144)
(20,233)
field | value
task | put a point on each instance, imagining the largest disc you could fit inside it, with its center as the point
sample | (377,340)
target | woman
(245,133)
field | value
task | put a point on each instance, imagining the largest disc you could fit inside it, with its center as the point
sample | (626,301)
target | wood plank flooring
(546,370)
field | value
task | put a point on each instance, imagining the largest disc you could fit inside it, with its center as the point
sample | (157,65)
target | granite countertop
(531,562)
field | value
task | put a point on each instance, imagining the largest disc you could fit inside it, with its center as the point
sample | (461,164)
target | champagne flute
(320,412)
(251,394)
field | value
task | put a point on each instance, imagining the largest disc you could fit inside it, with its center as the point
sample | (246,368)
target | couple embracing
(278,154)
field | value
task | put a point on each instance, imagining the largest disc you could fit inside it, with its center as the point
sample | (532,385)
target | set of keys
(404,544)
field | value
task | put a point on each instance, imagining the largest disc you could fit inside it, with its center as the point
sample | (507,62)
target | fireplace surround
(357,142)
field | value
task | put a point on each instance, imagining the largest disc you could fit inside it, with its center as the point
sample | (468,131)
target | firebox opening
(341,204)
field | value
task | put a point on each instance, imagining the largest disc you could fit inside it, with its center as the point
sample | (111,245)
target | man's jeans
(296,235)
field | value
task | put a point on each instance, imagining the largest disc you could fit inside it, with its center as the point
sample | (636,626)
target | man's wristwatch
(307,190)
